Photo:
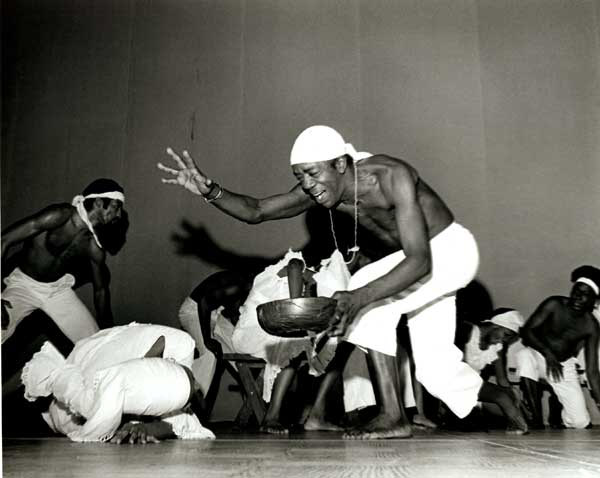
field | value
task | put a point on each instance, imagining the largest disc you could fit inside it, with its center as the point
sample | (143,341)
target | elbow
(253,220)
(424,266)
(256,216)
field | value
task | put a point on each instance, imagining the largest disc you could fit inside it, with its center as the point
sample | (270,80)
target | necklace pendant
(354,249)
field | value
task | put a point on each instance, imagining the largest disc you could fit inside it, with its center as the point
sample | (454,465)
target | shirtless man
(429,257)
(58,243)
(554,334)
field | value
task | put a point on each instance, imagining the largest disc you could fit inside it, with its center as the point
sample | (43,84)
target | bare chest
(567,329)
(67,243)
(380,223)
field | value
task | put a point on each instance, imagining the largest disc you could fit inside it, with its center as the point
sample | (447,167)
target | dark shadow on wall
(196,241)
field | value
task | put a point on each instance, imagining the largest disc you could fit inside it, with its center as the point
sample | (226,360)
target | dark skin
(224,288)
(560,327)
(55,241)
(398,208)
(299,278)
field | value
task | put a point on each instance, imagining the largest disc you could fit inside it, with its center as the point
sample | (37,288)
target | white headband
(322,143)
(591,283)
(119,196)
(78,203)
(512,320)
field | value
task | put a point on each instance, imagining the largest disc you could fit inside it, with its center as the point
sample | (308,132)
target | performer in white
(137,369)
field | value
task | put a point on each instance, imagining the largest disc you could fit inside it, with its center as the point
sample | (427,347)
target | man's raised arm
(48,218)
(244,208)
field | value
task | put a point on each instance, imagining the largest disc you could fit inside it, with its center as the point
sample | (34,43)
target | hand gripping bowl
(296,317)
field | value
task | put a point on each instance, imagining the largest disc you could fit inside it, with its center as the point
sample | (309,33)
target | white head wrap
(512,320)
(322,143)
(78,203)
(591,283)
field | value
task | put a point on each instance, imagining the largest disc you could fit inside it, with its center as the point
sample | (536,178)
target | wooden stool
(251,383)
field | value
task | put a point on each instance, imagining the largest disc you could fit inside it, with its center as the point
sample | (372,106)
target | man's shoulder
(385,166)
(555,301)
(54,215)
(385,160)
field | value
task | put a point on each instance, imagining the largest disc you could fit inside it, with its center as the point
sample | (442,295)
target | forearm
(103,309)
(500,369)
(254,210)
(409,271)
(241,207)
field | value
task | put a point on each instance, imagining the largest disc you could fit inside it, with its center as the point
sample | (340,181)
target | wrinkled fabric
(477,358)
(250,338)
(106,375)
(532,365)
(56,299)
(431,308)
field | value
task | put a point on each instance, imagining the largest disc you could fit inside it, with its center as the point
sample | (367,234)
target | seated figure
(553,335)
(209,314)
(291,278)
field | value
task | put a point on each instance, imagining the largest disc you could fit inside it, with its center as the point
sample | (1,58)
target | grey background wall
(497,103)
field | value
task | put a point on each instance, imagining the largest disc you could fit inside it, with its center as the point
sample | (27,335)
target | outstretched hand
(348,305)
(186,174)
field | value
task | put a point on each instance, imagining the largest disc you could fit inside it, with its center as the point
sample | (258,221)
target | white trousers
(57,299)
(532,365)
(431,307)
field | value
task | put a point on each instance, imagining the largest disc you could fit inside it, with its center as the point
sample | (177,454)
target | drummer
(291,278)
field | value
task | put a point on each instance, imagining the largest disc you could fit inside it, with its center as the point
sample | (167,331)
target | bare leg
(391,421)
(271,422)
(492,393)
(316,418)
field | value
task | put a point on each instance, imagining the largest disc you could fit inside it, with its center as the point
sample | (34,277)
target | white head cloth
(591,283)
(78,203)
(322,143)
(512,320)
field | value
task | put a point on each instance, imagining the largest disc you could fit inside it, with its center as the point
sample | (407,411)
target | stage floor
(551,453)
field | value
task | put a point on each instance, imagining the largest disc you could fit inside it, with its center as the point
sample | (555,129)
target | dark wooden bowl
(296,317)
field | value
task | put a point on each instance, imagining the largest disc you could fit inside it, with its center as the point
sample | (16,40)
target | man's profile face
(112,213)
(320,180)
(582,297)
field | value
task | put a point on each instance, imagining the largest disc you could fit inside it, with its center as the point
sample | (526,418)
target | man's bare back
(377,211)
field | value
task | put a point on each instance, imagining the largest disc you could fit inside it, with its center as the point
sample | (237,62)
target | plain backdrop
(495,102)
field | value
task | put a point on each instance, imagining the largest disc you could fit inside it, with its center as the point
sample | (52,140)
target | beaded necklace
(355,248)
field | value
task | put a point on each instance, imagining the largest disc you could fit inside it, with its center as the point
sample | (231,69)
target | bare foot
(423,422)
(314,423)
(273,427)
(381,427)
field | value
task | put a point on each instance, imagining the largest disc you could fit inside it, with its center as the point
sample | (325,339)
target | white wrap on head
(512,320)
(322,143)
(591,283)
(78,203)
